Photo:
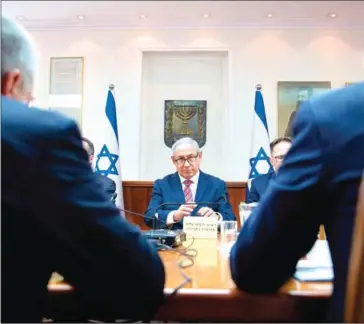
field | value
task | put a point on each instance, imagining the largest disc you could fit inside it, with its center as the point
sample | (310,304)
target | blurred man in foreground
(54,216)
(189,184)
(278,150)
(317,184)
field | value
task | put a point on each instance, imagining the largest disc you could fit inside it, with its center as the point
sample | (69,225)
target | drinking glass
(229,231)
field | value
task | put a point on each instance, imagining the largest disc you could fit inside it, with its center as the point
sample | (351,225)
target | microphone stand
(216,203)
(166,235)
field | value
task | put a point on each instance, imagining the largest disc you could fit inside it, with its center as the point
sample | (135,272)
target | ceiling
(48,15)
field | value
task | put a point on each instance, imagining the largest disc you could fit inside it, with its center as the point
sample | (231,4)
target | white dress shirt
(193,185)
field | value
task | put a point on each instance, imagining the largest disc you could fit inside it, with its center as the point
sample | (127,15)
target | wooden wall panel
(137,195)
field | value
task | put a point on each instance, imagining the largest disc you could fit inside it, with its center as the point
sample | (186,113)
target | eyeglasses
(279,157)
(190,159)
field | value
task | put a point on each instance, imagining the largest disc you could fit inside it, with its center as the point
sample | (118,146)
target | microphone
(162,239)
(166,236)
(209,203)
(139,214)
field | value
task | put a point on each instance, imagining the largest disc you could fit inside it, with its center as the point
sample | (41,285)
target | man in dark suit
(317,184)
(278,150)
(188,184)
(106,184)
(55,218)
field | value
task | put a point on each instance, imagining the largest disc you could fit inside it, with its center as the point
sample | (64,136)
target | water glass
(245,210)
(229,231)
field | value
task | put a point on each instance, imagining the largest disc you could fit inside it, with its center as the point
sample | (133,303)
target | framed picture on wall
(351,83)
(290,96)
(66,86)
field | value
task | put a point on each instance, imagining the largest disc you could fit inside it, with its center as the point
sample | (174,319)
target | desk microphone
(209,203)
(167,236)
(139,214)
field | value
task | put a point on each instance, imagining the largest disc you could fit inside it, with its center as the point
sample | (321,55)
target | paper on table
(226,248)
(314,274)
(320,252)
(318,264)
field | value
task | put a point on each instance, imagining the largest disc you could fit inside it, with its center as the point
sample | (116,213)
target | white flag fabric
(259,149)
(108,159)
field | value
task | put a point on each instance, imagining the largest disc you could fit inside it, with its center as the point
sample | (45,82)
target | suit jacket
(169,189)
(108,185)
(55,218)
(259,186)
(317,184)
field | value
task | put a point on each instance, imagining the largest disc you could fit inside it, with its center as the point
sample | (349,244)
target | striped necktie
(187,191)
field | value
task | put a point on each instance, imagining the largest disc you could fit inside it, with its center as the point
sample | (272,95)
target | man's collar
(194,179)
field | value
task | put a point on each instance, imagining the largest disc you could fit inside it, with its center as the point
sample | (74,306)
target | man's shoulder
(33,122)
(166,178)
(104,178)
(330,109)
(260,179)
(211,177)
(105,182)
(335,121)
(203,175)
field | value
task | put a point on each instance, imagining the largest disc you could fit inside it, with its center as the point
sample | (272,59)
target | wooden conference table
(211,295)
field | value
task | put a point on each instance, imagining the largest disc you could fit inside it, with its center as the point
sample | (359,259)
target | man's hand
(183,210)
(206,212)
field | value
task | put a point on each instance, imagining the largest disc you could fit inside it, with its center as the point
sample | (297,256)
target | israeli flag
(108,159)
(259,150)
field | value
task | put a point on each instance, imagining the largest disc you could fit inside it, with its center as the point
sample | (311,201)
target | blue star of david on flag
(113,158)
(261,156)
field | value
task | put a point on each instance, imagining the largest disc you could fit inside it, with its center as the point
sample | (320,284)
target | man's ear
(9,83)
(91,158)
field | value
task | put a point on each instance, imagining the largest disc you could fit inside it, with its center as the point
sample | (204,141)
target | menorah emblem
(185,113)
(185,118)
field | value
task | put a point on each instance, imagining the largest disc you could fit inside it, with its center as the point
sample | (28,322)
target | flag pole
(111,87)
(258,87)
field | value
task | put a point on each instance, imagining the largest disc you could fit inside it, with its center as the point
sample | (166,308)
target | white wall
(264,57)
(177,76)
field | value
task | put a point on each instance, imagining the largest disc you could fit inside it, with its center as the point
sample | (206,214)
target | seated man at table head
(106,184)
(318,183)
(278,150)
(190,185)
(55,218)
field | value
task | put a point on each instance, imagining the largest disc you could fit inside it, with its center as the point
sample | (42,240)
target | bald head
(18,61)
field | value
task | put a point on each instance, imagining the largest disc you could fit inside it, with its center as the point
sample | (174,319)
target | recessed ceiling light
(142,16)
(269,15)
(332,15)
(20,17)
(206,15)
(80,17)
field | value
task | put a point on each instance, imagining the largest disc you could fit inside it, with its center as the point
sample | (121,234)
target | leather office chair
(354,303)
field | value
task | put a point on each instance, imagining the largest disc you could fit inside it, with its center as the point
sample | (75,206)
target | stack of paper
(317,266)
(307,270)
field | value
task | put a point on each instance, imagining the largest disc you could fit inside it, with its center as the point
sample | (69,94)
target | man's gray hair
(17,51)
(185,141)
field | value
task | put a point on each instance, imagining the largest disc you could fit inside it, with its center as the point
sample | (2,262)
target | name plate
(200,227)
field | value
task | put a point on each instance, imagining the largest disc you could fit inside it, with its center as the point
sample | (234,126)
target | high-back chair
(354,303)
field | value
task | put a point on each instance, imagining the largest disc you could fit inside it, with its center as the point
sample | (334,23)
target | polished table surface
(211,287)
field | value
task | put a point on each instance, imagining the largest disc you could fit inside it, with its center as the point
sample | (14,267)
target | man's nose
(184,163)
